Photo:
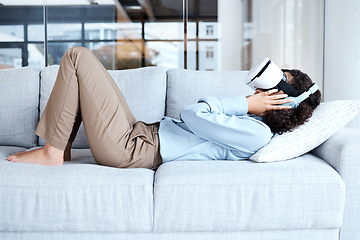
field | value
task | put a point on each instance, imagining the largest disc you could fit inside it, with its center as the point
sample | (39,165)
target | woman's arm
(225,122)
(262,101)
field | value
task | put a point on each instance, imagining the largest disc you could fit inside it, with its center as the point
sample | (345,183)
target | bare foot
(47,155)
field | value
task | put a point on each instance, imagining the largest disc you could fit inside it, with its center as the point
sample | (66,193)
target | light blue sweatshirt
(213,129)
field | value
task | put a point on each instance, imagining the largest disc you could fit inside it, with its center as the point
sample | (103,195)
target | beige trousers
(84,91)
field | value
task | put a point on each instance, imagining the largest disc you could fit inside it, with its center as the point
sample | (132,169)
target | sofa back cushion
(19,101)
(186,87)
(144,89)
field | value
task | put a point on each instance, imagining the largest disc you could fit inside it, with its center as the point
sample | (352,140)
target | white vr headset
(267,75)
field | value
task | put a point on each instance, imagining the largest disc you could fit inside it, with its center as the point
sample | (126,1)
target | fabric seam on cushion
(254,185)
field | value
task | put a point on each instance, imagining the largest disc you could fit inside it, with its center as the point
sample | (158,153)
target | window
(129,38)
(209,30)
(219,35)
(12,33)
(10,57)
(209,52)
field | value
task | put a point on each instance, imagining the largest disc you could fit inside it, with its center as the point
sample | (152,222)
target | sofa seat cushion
(301,193)
(78,196)
(19,102)
(8,150)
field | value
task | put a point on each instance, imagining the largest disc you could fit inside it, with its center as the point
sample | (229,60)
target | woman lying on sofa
(231,128)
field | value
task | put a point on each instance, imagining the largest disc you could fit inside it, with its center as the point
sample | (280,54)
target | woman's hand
(261,102)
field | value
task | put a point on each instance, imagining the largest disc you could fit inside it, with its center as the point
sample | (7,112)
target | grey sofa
(314,196)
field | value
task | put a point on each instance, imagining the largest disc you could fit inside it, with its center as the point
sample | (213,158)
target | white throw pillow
(326,120)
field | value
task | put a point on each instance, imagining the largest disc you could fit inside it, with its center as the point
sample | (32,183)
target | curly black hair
(286,120)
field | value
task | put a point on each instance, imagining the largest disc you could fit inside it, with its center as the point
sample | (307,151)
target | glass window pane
(118,55)
(10,58)
(165,54)
(15,23)
(11,33)
(209,55)
(105,52)
(22,2)
(164,30)
(98,31)
(128,30)
(128,54)
(36,32)
(57,49)
(110,31)
(192,61)
(191,30)
(64,31)
(208,30)
(36,55)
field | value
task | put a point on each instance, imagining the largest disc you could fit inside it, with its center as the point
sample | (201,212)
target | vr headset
(267,75)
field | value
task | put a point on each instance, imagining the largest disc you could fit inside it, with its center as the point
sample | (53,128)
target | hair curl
(285,120)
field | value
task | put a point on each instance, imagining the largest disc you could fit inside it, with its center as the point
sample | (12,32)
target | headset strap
(306,94)
(297,100)
(313,88)
(287,88)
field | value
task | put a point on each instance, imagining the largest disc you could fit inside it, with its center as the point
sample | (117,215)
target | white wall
(342,52)
(290,32)
(230,24)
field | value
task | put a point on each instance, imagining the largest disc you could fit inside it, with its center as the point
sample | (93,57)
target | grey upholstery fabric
(79,196)
(186,87)
(8,150)
(19,101)
(299,234)
(342,152)
(302,193)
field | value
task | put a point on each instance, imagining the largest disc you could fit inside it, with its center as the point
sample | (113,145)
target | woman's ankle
(53,152)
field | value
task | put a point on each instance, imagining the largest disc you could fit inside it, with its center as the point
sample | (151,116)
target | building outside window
(209,30)
(209,52)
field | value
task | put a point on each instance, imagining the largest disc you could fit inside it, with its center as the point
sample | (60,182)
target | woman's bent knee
(79,52)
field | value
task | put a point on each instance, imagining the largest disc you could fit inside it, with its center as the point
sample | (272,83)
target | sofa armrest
(342,152)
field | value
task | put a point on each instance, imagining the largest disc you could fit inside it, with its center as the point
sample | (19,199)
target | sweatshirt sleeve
(225,122)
